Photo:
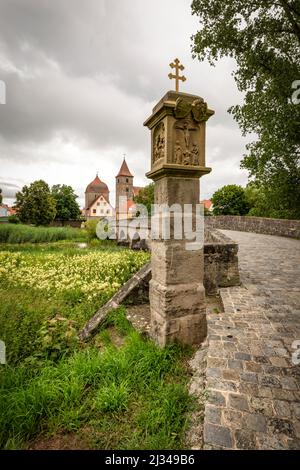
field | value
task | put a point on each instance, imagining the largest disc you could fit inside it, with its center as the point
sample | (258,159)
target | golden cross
(178,66)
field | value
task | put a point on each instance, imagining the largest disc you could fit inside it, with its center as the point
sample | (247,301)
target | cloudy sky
(82,76)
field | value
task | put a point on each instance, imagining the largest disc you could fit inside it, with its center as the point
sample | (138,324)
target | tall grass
(129,397)
(10,233)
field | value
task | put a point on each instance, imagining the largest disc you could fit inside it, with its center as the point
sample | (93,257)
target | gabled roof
(124,170)
(97,199)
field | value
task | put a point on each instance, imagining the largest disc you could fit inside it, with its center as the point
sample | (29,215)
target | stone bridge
(252,378)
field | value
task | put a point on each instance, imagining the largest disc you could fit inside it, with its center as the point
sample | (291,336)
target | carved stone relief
(185,146)
(159,143)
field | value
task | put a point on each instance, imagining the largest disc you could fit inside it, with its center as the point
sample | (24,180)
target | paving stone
(296,426)
(255,422)
(232,418)
(249,377)
(261,319)
(230,374)
(295,407)
(213,414)
(216,398)
(214,372)
(253,367)
(288,383)
(238,401)
(218,435)
(282,409)
(278,361)
(216,362)
(235,364)
(281,426)
(262,405)
(242,356)
(270,381)
(244,440)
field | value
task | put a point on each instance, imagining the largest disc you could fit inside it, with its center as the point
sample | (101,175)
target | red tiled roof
(207,203)
(130,204)
(124,170)
(96,185)
(136,190)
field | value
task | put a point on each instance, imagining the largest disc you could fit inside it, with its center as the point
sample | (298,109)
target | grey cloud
(87,74)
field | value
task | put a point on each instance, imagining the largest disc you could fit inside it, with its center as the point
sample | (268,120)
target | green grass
(117,391)
(132,397)
(42,281)
(10,233)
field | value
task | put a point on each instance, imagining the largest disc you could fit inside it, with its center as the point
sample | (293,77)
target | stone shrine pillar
(177,296)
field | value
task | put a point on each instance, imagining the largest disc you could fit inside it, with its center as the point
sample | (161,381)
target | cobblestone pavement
(253,385)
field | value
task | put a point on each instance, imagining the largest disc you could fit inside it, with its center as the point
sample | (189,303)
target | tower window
(94,211)
(127,190)
(118,180)
(126,180)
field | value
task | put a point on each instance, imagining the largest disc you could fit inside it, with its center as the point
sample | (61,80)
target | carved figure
(159,144)
(195,155)
(178,153)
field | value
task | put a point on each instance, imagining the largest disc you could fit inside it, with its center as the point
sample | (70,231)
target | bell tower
(124,186)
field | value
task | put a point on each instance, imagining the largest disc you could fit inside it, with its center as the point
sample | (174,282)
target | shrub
(13,219)
(91,226)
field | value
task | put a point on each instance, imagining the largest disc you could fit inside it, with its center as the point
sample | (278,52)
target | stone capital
(177,127)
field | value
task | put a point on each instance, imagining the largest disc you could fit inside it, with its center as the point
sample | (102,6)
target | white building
(100,207)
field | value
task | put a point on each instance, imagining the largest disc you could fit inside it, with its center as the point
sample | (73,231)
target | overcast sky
(81,78)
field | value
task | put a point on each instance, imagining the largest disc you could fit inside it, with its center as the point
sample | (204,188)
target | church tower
(95,189)
(124,186)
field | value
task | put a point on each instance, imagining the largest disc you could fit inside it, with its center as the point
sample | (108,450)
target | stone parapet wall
(221,268)
(279,227)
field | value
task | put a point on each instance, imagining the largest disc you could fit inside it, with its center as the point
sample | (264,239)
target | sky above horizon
(82,77)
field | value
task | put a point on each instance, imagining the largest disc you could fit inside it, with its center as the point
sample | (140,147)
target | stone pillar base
(178,313)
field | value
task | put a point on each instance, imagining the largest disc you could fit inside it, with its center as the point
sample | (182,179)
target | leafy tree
(1,199)
(66,204)
(230,200)
(263,36)
(146,196)
(35,204)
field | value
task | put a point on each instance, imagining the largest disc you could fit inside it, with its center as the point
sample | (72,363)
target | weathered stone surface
(177,296)
(217,435)
(279,227)
(262,317)
(238,402)
(244,440)
(213,414)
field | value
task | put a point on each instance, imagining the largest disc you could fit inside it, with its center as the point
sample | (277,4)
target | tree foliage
(263,36)
(146,196)
(230,200)
(35,204)
(66,204)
